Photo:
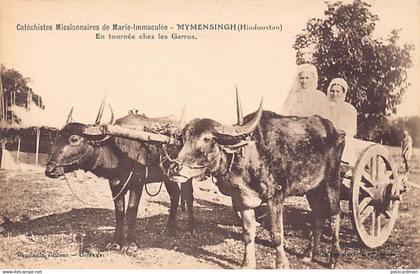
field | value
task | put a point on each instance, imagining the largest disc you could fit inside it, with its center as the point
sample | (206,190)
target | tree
(16,92)
(342,45)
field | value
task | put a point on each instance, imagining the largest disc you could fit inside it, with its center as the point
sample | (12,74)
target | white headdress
(338,81)
(309,68)
(297,86)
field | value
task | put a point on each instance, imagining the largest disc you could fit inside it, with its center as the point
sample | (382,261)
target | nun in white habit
(304,99)
(342,114)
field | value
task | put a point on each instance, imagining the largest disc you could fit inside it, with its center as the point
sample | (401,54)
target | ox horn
(239,114)
(70,116)
(182,122)
(231,134)
(112,114)
(100,112)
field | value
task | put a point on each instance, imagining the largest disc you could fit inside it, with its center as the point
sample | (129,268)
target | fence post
(2,150)
(37,145)
(18,151)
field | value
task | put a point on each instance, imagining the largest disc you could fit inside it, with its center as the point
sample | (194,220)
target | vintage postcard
(209,134)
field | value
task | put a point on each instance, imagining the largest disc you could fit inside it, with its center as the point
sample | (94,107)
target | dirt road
(45,226)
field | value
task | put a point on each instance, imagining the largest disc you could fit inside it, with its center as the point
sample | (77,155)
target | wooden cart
(373,188)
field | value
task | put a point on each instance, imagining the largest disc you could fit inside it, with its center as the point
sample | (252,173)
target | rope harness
(162,160)
(74,194)
(95,165)
(79,160)
(113,197)
(167,157)
(124,186)
(229,150)
(147,174)
(122,190)
(75,162)
(158,191)
(232,159)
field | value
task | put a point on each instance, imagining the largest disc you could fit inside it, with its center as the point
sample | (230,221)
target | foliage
(342,45)
(390,132)
(17,92)
(411,124)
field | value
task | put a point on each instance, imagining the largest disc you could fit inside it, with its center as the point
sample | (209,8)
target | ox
(109,157)
(265,160)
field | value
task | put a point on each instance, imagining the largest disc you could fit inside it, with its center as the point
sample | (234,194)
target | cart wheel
(374,197)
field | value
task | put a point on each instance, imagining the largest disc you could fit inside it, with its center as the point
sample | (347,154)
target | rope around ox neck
(113,198)
(77,197)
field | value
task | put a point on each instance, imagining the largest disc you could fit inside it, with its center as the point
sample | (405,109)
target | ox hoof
(113,247)
(282,263)
(332,265)
(306,259)
(283,266)
(249,264)
(334,260)
(129,249)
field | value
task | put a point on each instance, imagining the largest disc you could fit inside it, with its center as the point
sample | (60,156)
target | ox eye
(208,139)
(200,152)
(74,140)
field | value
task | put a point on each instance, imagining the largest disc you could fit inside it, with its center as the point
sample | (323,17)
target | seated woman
(304,99)
(342,114)
(344,117)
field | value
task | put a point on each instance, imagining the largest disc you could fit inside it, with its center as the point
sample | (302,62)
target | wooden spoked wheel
(374,197)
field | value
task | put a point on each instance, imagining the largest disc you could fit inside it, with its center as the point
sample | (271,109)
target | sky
(161,77)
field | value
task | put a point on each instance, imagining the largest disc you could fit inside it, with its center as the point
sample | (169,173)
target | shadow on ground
(215,223)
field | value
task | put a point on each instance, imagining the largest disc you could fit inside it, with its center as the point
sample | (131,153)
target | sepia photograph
(209,135)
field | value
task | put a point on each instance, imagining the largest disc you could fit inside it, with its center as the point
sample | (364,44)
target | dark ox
(109,158)
(265,160)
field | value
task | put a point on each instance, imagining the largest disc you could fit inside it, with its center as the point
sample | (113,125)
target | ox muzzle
(52,170)
(56,170)
(180,173)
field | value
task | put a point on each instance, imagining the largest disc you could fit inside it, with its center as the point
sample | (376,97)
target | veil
(292,95)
